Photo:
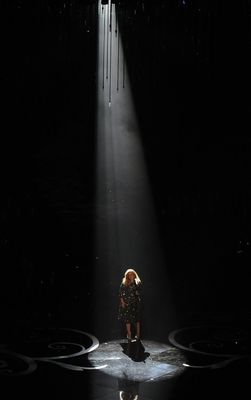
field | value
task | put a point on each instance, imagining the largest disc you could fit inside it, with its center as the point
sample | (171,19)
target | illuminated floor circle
(142,361)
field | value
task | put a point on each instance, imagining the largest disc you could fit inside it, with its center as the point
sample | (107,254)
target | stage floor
(195,361)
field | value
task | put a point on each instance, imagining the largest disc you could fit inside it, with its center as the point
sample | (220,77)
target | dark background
(189,69)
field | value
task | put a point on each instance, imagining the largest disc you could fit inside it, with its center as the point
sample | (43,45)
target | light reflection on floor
(139,361)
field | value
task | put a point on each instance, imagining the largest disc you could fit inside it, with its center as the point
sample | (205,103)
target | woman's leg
(138,329)
(128,330)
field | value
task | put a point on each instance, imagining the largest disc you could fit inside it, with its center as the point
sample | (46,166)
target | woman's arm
(138,291)
(122,297)
(122,301)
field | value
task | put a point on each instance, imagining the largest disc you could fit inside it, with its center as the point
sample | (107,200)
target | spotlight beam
(126,231)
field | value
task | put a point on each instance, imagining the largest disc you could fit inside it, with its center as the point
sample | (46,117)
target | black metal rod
(103,51)
(116,22)
(124,21)
(110,83)
(118,64)
(110,20)
(107,39)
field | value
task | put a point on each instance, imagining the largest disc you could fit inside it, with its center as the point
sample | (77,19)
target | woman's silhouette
(130,303)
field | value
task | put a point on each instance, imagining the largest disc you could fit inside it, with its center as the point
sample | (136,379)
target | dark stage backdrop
(189,69)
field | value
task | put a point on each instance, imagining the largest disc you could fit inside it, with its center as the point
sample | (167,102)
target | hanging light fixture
(111,57)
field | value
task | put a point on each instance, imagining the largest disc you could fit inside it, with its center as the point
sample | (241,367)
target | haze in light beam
(126,229)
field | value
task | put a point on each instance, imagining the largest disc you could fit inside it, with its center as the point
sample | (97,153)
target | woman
(130,302)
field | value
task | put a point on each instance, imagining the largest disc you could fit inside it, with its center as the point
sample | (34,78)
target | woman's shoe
(137,337)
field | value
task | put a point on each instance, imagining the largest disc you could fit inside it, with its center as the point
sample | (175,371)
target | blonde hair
(125,279)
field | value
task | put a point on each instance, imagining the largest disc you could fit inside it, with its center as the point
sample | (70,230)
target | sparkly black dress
(131,294)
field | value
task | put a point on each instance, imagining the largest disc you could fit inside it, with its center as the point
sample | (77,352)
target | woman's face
(131,276)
